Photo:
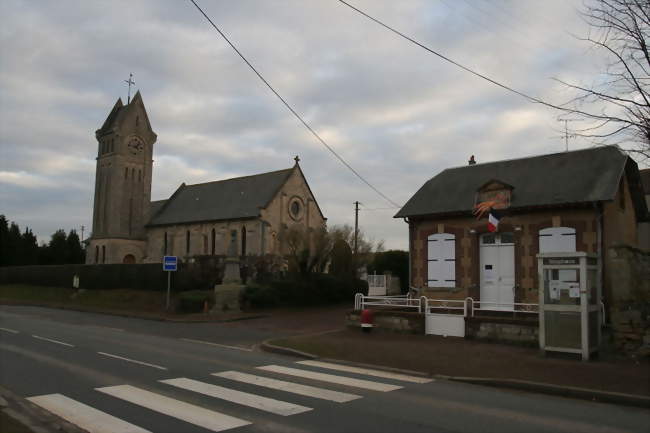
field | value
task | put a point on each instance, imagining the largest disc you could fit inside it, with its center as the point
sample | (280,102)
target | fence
(468,306)
(190,276)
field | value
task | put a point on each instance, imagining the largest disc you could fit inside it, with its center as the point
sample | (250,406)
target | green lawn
(116,299)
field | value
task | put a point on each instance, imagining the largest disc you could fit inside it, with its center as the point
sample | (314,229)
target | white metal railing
(361,301)
(426,305)
(513,307)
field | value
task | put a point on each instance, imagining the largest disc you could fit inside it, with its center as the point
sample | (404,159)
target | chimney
(471,161)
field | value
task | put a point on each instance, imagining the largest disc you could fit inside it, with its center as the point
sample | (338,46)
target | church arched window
(126,172)
(139,175)
(243,241)
(132,173)
(165,244)
(96,254)
(214,235)
(103,253)
(187,242)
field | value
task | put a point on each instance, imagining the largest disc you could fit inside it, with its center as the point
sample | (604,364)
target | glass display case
(569,303)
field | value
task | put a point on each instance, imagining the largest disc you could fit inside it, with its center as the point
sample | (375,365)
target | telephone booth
(569,303)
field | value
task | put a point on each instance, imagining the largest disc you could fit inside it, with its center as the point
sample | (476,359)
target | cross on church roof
(297,159)
(129,82)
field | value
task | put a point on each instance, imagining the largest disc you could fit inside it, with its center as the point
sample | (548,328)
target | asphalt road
(122,374)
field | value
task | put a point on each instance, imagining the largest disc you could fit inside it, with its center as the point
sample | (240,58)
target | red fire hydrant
(366,320)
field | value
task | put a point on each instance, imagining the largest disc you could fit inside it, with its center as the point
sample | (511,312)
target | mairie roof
(237,198)
(581,176)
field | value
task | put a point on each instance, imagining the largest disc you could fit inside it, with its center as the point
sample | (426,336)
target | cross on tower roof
(129,82)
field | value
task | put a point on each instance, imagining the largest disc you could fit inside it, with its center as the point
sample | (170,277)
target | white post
(584,309)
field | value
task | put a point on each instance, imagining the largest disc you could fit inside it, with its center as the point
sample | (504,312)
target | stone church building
(247,213)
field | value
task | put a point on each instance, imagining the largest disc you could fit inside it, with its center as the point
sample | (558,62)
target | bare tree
(616,109)
(309,251)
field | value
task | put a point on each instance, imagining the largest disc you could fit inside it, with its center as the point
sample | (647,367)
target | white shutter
(441,260)
(557,240)
(448,261)
(433,261)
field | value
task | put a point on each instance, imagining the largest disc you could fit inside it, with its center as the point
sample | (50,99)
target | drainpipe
(406,220)
(599,252)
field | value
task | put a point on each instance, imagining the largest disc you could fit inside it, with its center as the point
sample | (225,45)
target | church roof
(119,112)
(156,205)
(241,197)
(581,176)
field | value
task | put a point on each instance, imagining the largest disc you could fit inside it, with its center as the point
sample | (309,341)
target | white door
(497,261)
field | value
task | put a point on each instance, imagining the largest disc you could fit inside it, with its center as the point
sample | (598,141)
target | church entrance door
(129,259)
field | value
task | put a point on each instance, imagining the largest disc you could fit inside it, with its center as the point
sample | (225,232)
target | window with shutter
(557,240)
(441,260)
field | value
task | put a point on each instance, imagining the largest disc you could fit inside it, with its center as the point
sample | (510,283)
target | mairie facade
(586,200)
(242,216)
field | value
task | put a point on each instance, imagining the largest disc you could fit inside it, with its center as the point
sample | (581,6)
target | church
(248,214)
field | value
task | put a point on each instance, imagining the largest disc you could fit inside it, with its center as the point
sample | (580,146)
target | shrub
(317,289)
(192,301)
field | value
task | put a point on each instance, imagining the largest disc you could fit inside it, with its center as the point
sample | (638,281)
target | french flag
(493,220)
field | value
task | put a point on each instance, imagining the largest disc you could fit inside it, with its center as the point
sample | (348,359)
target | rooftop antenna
(129,82)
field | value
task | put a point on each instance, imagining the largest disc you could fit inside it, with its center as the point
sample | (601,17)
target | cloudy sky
(396,113)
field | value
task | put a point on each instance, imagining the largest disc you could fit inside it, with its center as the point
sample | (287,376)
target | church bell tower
(122,185)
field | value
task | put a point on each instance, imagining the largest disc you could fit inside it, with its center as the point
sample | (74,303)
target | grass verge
(116,299)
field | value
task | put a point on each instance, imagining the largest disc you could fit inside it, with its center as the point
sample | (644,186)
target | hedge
(193,301)
(316,290)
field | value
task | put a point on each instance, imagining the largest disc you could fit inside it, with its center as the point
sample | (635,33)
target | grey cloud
(396,113)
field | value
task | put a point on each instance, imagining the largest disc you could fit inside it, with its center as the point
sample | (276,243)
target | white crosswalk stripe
(266,404)
(196,415)
(295,388)
(341,380)
(367,371)
(83,416)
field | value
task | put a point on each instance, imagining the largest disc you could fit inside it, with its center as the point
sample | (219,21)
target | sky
(396,113)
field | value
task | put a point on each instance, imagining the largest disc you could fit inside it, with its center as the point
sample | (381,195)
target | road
(129,375)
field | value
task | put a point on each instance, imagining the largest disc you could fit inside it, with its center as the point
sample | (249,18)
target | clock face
(135,146)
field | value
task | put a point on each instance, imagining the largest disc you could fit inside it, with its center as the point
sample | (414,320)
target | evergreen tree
(74,250)
(4,241)
(57,249)
(14,245)
(30,248)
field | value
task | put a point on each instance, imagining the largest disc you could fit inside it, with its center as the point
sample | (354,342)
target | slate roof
(581,176)
(156,205)
(237,198)
(645,180)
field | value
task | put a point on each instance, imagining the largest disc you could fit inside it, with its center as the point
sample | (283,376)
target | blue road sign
(170,263)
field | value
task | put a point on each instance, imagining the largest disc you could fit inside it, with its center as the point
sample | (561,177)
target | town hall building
(241,216)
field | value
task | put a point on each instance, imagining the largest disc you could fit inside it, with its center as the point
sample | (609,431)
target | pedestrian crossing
(156,398)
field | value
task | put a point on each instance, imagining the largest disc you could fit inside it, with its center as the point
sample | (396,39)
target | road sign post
(170,264)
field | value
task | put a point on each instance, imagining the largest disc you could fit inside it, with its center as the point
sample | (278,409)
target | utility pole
(356,225)
(82,233)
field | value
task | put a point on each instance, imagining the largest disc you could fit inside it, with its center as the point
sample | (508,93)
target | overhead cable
(298,116)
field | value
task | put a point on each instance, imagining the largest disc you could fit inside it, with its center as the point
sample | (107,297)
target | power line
(453,62)
(286,104)
(380,208)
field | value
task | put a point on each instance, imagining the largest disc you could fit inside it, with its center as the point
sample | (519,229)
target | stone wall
(515,331)
(392,321)
(629,308)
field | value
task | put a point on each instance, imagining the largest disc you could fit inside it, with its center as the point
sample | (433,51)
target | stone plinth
(226,297)
(231,273)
